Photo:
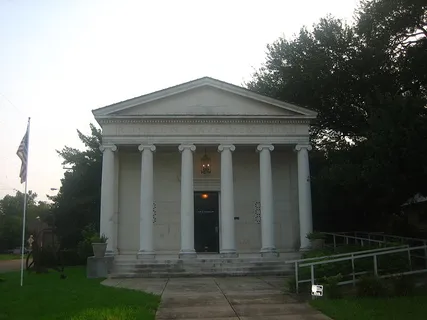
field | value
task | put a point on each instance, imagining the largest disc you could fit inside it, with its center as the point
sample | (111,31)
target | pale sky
(59,59)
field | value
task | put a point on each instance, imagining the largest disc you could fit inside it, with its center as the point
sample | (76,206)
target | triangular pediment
(204,97)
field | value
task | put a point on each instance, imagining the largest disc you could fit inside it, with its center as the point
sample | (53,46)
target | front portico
(205,166)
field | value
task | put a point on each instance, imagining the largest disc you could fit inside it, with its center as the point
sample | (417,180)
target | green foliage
(99,239)
(398,308)
(47,297)
(402,285)
(77,203)
(315,235)
(73,257)
(331,289)
(291,285)
(117,313)
(368,83)
(84,247)
(372,286)
(11,210)
(387,264)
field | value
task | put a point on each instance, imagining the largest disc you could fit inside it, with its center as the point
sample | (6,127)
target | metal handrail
(334,235)
(352,258)
(392,236)
(346,254)
(363,256)
(383,235)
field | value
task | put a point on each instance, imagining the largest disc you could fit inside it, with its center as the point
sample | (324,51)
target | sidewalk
(10,265)
(230,298)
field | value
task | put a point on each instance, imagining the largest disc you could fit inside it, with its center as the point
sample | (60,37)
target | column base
(228,253)
(187,254)
(269,253)
(146,255)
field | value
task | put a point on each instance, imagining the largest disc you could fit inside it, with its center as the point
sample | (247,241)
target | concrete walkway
(222,298)
(10,265)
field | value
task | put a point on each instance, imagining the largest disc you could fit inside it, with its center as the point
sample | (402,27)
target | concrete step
(170,269)
(196,262)
(198,274)
(200,267)
(186,266)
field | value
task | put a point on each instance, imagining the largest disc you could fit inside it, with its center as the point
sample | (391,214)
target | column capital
(299,147)
(104,147)
(183,147)
(150,147)
(223,147)
(261,147)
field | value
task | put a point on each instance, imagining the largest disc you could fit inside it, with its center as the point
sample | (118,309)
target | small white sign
(317,290)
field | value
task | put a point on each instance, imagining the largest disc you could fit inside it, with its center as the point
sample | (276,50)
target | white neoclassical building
(205,167)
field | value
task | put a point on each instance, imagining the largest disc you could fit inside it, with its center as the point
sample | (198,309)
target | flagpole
(24,218)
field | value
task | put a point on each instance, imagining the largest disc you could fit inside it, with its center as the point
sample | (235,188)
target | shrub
(331,289)
(315,235)
(71,257)
(96,238)
(393,263)
(84,247)
(291,285)
(402,286)
(372,286)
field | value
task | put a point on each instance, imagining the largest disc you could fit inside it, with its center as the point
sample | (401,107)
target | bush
(402,286)
(372,286)
(84,247)
(291,285)
(70,257)
(331,289)
(84,250)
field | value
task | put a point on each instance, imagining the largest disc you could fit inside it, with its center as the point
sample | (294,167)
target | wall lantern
(206,164)
(205,196)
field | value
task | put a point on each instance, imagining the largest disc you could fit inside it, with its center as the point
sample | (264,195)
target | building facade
(205,167)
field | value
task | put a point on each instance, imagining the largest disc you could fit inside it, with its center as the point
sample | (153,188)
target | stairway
(201,267)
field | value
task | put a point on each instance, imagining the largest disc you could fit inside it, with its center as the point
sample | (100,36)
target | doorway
(206,222)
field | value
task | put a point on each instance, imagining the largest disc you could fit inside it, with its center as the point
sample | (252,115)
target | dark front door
(206,221)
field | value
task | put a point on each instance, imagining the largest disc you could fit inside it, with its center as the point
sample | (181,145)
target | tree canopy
(11,213)
(77,203)
(367,80)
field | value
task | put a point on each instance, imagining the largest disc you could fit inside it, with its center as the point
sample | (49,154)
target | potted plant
(317,239)
(99,245)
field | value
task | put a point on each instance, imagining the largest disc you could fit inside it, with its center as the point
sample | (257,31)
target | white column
(107,196)
(267,205)
(304,194)
(146,248)
(187,202)
(228,246)
(116,203)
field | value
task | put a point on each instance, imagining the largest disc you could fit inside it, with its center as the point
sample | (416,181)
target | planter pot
(317,243)
(99,249)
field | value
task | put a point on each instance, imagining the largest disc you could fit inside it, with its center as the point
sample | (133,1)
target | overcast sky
(59,59)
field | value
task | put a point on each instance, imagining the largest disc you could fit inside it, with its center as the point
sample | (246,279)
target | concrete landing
(229,298)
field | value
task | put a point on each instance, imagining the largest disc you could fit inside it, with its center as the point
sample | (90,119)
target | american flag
(23,155)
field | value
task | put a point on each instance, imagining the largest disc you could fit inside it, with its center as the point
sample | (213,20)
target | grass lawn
(9,256)
(47,297)
(413,308)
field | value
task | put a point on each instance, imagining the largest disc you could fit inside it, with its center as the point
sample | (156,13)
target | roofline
(205,81)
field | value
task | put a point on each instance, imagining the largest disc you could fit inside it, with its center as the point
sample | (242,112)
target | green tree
(11,213)
(368,83)
(77,203)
